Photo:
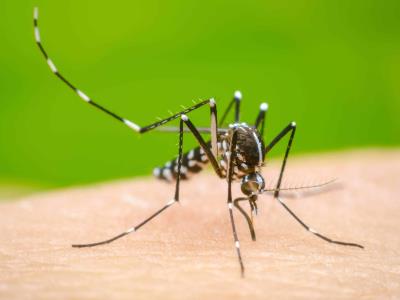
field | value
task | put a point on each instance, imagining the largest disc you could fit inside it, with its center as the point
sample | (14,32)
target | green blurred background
(332,66)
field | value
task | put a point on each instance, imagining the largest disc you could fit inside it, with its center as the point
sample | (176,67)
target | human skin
(188,252)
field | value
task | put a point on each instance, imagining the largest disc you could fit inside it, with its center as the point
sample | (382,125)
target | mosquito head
(252,184)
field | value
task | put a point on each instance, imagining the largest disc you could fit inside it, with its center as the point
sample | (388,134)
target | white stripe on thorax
(259,148)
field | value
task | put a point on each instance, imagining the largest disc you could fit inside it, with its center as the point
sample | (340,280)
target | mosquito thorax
(252,184)
(250,149)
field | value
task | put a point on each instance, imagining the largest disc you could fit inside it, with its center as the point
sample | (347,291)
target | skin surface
(188,251)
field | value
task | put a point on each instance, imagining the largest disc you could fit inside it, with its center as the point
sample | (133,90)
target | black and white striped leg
(236,100)
(260,121)
(325,238)
(204,146)
(214,128)
(174,129)
(230,203)
(130,230)
(170,203)
(193,160)
(292,129)
(87,99)
(289,128)
(246,216)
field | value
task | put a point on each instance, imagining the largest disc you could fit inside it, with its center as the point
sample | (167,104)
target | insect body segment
(193,162)
(249,151)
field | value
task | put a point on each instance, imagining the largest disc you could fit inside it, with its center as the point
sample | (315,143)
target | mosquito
(236,153)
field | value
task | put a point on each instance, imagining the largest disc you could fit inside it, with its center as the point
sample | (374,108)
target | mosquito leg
(248,219)
(236,100)
(325,238)
(260,121)
(170,203)
(292,129)
(204,146)
(87,99)
(289,128)
(214,128)
(173,129)
(192,160)
(184,119)
(130,230)
(230,205)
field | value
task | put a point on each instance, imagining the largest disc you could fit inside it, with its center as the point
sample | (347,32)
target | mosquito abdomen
(192,162)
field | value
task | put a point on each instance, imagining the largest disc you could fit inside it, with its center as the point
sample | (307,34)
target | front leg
(145,221)
(230,205)
(184,119)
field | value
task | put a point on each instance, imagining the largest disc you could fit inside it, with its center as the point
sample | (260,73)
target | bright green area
(332,66)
